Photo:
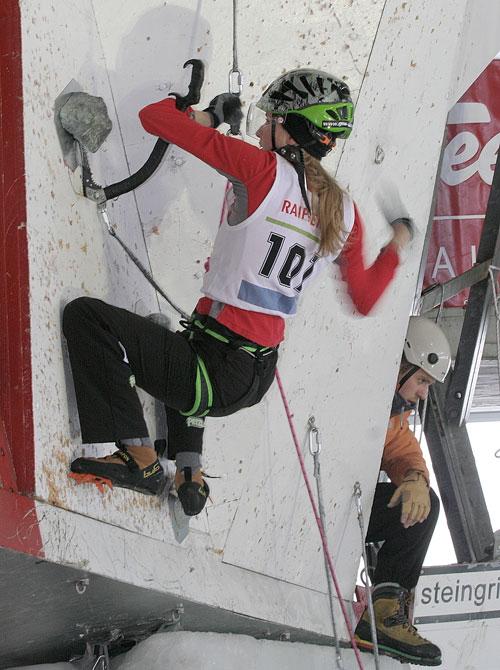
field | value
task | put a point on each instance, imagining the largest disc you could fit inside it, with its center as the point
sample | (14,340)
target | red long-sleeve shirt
(252,173)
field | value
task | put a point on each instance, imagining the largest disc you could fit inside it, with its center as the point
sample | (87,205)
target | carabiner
(357,496)
(102,211)
(239,81)
(314,450)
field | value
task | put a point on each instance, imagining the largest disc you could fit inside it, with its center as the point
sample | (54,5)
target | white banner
(458,593)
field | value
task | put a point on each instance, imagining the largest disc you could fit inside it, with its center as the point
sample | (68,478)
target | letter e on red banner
(472,141)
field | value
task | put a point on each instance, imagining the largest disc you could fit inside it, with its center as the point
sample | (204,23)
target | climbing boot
(395,635)
(129,476)
(192,495)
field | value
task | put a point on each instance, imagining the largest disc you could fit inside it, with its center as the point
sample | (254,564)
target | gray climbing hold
(85,117)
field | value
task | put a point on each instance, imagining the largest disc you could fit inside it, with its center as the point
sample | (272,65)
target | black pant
(403,552)
(112,350)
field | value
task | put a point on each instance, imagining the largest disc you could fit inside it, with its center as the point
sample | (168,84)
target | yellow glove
(413,494)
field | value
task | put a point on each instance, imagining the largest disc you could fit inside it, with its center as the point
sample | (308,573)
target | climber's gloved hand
(413,494)
(226,108)
(403,230)
(395,213)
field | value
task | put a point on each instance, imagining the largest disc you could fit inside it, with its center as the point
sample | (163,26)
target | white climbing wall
(256,549)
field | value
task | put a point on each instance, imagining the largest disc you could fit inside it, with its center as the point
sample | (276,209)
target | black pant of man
(403,551)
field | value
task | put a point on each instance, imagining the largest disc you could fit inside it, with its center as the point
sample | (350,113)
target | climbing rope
(103,214)
(373,628)
(318,521)
(315,449)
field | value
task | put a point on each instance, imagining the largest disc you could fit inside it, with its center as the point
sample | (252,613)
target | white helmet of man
(427,347)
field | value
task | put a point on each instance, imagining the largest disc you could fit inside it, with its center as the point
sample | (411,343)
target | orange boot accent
(100,482)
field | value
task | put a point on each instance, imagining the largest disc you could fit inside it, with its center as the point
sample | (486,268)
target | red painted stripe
(15,346)
(7,472)
(19,528)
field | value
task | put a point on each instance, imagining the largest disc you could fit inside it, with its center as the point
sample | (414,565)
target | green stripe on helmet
(334,118)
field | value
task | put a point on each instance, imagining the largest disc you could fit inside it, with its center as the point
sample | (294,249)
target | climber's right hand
(225,108)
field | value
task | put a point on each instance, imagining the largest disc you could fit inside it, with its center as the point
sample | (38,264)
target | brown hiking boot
(395,635)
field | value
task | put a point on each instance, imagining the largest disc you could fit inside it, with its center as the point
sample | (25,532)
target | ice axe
(82,119)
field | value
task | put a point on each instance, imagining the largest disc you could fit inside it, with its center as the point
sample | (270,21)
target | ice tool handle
(182,103)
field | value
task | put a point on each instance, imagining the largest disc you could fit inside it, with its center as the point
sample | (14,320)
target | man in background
(405,510)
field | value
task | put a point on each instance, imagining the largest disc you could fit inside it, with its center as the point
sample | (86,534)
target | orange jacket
(402,451)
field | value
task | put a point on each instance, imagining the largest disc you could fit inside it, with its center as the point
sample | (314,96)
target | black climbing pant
(403,551)
(113,350)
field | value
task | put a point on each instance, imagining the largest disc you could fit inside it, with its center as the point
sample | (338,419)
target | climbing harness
(357,497)
(201,323)
(318,520)
(315,449)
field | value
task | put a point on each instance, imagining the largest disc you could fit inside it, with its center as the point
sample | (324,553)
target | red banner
(472,142)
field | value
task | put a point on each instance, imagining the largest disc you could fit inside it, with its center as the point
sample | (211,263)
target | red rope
(318,521)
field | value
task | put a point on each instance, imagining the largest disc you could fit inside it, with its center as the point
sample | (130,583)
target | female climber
(286,219)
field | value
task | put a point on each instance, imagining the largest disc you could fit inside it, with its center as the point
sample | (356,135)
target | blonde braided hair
(327,205)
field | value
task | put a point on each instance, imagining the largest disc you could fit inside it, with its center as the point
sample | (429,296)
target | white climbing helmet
(427,347)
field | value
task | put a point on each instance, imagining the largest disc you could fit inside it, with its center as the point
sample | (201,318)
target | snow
(224,651)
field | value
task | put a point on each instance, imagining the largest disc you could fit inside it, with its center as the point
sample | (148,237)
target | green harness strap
(204,395)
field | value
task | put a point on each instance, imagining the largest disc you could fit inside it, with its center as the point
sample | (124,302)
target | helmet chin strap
(407,376)
(273,133)
(295,156)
